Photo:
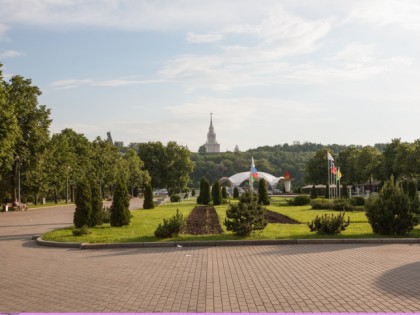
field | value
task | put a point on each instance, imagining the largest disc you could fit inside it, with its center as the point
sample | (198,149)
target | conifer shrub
(204,197)
(83,200)
(327,191)
(193,192)
(390,212)
(216,193)
(175,198)
(96,200)
(262,192)
(329,224)
(148,198)
(120,215)
(245,217)
(224,193)
(345,192)
(171,227)
(236,193)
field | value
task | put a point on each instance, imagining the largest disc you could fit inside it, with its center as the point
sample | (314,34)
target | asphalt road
(286,278)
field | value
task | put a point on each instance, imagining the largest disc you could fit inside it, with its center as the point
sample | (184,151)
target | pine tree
(96,202)
(262,193)
(120,215)
(236,193)
(391,213)
(246,216)
(224,193)
(83,204)
(148,198)
(216,192)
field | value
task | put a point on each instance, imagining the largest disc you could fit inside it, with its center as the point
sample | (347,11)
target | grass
(144,223)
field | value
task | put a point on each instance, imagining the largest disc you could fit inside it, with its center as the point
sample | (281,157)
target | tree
(317,168)
(169,166)
(216,192)
(390,213)
(136,176)
(148,198)
(120,215)
(29,132)
(204,197)
(262,193)
(246,216)
(83,204)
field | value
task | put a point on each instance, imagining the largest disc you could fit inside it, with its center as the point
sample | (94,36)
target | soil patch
(274,217)
(203,220)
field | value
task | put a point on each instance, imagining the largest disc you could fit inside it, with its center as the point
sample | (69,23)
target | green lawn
(144,223)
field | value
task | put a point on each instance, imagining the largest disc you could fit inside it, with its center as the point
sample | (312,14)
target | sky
(271,72)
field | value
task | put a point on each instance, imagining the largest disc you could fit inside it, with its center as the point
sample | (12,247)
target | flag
(329,157)
(333,169)
(339,175)
(253,174)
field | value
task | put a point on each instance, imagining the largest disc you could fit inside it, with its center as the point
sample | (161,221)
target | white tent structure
(239,178)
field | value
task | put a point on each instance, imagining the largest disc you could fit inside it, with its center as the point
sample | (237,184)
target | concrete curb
(379,241)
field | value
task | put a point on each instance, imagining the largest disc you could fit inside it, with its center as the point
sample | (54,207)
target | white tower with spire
(212,146)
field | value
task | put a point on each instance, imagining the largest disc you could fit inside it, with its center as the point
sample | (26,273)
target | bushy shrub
(329,224)
(357,201)
(148,198)
(171,227)
(336,204)
(390,213)
(175,198)
(83,230)
(301,200)
(246,216)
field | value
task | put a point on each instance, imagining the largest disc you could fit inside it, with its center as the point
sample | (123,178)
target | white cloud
(405,13)
(203,38)
(67,84)
(3,30)
(5,54)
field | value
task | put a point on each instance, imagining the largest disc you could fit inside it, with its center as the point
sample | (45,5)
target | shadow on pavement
(404,280)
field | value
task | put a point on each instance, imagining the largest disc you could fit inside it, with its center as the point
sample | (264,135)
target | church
(212,146)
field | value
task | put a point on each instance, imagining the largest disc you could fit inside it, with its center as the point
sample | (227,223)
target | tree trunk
(55,195)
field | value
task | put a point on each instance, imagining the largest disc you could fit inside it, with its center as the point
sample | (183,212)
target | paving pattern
(287,278)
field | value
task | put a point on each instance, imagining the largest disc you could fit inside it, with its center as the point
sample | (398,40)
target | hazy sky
(272,72)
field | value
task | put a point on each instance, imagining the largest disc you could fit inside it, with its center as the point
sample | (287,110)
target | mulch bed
(274,217)
(203,220)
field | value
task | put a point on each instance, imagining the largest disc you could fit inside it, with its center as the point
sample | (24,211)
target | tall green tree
(262,193)
(120,214)
(97,204)
(136,176)
(148,198)
(317,168)
(204,198)
(83,204)
(216,192)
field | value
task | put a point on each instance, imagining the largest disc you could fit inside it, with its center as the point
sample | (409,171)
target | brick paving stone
(283,278)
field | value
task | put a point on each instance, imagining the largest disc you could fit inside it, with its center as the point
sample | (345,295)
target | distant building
(212,146)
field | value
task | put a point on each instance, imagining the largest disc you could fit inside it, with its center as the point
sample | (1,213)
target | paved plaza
(286,278)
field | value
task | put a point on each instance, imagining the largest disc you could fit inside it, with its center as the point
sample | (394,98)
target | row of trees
(42,165)
(363,164)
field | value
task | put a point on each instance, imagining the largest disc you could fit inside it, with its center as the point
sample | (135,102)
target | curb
(379,241)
